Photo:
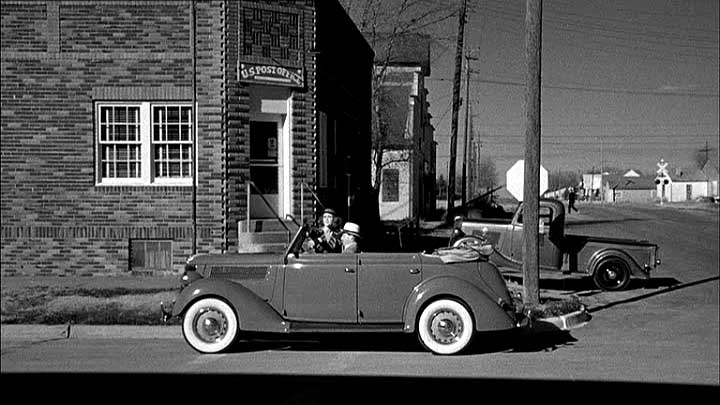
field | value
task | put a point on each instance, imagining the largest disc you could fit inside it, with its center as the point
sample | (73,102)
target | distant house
(408,163)
(634,188)
(689,184)
(683,185)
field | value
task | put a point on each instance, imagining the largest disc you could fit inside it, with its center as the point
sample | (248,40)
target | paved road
(664,331)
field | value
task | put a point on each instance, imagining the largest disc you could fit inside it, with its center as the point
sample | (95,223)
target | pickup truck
(610,261)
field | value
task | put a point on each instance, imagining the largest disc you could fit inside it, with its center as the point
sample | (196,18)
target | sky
(624,83)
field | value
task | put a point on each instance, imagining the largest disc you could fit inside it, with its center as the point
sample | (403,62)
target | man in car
(350,237)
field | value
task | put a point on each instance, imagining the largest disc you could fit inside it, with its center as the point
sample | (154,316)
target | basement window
(147,256)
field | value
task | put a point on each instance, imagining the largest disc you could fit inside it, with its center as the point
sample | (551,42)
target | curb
(573,320)
(54,332)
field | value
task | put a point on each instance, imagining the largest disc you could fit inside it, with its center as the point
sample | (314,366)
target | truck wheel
(210,325)
(445,327)
(612,274)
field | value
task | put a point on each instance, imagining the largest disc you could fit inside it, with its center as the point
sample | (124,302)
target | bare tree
(384,23)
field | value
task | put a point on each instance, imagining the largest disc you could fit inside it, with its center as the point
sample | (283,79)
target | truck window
(545,216)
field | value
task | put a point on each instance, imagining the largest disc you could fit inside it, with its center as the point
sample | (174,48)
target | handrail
(302,200)
(250,183)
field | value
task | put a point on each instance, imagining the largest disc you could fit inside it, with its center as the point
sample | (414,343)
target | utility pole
(194,160)
(467,116)
(531,190)
(456,106)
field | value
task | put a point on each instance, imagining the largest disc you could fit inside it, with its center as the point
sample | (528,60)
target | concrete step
(267,225)
(245,238)
(262,248)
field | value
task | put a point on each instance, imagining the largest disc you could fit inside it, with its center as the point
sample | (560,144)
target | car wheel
(445,327)
(612,274)
(210,325)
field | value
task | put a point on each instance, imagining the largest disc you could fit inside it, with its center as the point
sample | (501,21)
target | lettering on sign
(270,74)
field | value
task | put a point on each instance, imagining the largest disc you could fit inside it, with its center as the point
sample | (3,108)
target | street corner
(34,333)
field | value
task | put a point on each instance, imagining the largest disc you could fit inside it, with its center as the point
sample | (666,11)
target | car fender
(600,255)
(487,314)
(253,313)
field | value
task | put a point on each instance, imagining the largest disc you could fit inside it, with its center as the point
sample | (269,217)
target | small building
(634,188)
(402,122)
(109,167)
(690,184)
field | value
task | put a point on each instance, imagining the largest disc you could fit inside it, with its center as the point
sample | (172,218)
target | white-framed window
(144,143)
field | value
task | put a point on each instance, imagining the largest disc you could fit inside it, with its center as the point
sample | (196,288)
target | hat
(352,228)
(330,211)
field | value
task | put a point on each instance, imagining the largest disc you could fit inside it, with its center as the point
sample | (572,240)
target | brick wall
(57,61)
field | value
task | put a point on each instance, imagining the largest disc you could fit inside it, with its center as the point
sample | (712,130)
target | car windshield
(295,245)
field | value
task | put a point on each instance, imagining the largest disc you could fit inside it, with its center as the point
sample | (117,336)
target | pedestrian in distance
(571,200)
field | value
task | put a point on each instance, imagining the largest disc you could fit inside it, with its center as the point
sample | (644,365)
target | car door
(385,280)
(321,288)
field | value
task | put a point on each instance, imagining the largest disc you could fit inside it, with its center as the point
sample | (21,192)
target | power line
(647,92)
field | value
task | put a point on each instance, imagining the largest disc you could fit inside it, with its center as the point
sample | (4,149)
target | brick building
(101,168)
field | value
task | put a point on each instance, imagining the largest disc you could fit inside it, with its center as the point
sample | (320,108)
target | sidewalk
(53,332)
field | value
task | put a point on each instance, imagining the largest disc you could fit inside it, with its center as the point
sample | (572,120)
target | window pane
(122,152)
(121,133)
(133,133)
(121,114)
(186,169)
(174,152)
(122,169)
(104,114)
(103,133)
(184,133)
(173,133)
(134,115)
(186,115)
(174,169)
(173,114)
(390,186)
(160,153)
(186,153)
(157,114)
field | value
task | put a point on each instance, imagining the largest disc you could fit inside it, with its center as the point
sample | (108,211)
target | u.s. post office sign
(270,74)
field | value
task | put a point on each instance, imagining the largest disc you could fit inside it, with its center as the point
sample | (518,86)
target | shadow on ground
(542,337)
(586,286)
(674,287)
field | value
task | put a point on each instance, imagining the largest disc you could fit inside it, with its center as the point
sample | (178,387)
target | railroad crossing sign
(662,174)
(515,179)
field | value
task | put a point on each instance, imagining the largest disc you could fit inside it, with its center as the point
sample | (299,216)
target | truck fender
(253,313)
(487,314)
(600,255)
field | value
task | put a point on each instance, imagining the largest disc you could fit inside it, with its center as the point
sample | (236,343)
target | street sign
(515,179)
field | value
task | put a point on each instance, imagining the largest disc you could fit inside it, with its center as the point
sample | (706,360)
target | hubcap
(446,327)
(210,325)
(610,274)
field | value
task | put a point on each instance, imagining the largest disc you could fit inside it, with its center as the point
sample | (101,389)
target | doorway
(265,165)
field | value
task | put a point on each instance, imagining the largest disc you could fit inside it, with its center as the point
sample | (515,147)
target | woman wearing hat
(327,238)
(350,236)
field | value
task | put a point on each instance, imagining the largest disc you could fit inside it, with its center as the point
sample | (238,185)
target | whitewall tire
(210,325)
(445,326)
